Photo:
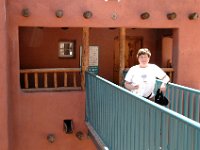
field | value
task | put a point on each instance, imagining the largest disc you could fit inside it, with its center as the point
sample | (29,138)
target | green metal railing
(125,121)
(184,100)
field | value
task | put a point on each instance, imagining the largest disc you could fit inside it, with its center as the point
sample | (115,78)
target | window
(67,49)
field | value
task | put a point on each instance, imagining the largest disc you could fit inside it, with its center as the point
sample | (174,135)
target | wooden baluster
(45,80)
(26,80)
(65,79)
(36,79)
(55,79)
(74,79)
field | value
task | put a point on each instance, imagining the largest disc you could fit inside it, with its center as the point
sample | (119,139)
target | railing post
(85,55)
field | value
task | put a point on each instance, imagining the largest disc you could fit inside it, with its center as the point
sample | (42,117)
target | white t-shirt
(145,78)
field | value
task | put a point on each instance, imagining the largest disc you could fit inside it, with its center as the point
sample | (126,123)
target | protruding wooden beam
(193,16)
(25,12)
(87,14)
(122,47)
(171,16)
(85,55)
(59,13)
(145,15)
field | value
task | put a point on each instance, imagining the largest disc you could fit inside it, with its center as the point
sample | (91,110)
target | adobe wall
(128,15)
(34,115)
(4,96)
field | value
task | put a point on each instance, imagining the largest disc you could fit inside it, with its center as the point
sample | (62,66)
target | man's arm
(165,80)
(130,86)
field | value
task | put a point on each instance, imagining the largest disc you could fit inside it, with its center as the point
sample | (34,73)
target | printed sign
(93,59)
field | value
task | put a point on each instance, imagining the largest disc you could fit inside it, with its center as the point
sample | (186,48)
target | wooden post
(122,48)
(85,55)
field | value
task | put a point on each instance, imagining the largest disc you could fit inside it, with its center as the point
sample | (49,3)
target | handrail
(40,76)
(124,120)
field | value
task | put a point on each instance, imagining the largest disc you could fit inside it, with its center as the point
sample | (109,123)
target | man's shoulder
(153,65)
(134,67)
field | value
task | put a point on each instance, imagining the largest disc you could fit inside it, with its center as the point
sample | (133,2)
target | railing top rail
(50,70)
(162,108)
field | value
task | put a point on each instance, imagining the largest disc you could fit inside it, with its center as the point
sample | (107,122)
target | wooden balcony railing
(50,79)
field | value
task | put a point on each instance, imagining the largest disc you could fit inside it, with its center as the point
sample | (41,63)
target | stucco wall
(4,96)
(128,15)
(30,112)
(35,115)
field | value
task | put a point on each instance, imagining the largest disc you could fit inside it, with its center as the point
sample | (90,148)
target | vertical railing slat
(158,129)
(180,138)
(55,79)
(146,127)
(65,79)
(152,128)
(180,101)
(164,131)
(74,79)
(197,108)
(45,80)
(191,106)
(185,105)
(141,124)
(26,80)
(133,124)
(36,79)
